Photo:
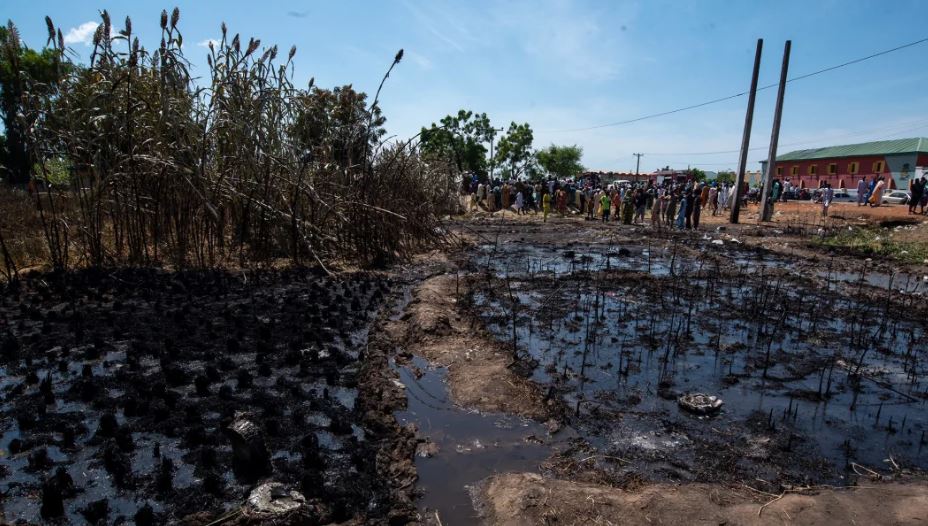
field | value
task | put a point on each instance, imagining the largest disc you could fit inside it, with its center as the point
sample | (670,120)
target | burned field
(821,366)
(157,396)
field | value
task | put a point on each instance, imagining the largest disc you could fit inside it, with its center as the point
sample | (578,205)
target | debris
(250,458)
(273,498)
(700,404)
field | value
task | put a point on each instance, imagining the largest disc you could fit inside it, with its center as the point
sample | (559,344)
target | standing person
(628,207)
(615,204)
(775,190)
(590,205)
(924,201)
(671,207)
(697,210)
(828,194)
(862,191)
(640,201)
(876,197)
(918,190)
(692,202)
(704,196)
(520,202)
(681,215)
(546,204)
(870,187)
(656,209)
(530,203)
(714,200)
(504,191)
(561,201)
(605,203)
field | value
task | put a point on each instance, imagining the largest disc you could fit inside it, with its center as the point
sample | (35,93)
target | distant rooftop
(897,146)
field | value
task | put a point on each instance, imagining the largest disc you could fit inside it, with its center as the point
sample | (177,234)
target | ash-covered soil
(158,397)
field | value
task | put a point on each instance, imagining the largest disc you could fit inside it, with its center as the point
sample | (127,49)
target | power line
(921,124)
(741,94)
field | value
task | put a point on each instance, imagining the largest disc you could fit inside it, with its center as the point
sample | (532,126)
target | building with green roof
(898,160)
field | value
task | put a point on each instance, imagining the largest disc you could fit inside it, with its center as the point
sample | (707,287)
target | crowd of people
(672,204)
(668,204)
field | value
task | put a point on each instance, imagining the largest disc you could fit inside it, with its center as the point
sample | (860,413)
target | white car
(895,197)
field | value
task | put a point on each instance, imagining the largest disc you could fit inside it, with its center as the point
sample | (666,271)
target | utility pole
(766,207)
(746,138)
(637,163)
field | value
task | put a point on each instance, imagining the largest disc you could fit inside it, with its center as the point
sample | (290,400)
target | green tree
(22,69)
(462,140)
(514,152)
(332,124)
(725,177)
(697,174)
(561,161)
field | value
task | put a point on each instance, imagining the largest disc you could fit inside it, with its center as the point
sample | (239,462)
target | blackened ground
(118,388)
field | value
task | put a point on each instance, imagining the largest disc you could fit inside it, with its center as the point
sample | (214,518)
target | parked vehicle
(896,197)
(845,196)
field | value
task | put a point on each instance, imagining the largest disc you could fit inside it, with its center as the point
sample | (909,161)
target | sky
(565,66)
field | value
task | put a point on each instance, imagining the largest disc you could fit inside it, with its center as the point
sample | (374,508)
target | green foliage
(22,70)
(332,124)
(514,152)
(55,171)
(697,174)
(461,140)
(725,177)
(561,161)
(879,242)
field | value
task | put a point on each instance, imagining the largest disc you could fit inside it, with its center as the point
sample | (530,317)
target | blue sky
(563,65)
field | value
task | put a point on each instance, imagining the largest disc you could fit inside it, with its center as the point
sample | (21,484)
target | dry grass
(241,167)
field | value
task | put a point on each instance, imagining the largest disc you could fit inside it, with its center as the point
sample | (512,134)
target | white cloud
(207,42)
(420,60)
(81,34)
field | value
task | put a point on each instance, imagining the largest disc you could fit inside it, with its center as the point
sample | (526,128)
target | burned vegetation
(818,369)
(153,396)
(179,340)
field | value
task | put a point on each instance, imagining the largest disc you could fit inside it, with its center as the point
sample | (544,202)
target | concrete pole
(766,207)
(746,138)
(637,163)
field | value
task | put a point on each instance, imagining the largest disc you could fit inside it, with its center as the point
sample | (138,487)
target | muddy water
(467,446)
(618,353)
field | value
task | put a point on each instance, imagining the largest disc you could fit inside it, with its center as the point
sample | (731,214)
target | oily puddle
(464,447)
(815,379)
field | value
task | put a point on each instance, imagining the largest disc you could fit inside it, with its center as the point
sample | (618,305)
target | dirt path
(527,498)
(478,374)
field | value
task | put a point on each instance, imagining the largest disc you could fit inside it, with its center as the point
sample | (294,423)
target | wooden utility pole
(746,138)
(638,162)
(766,207)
